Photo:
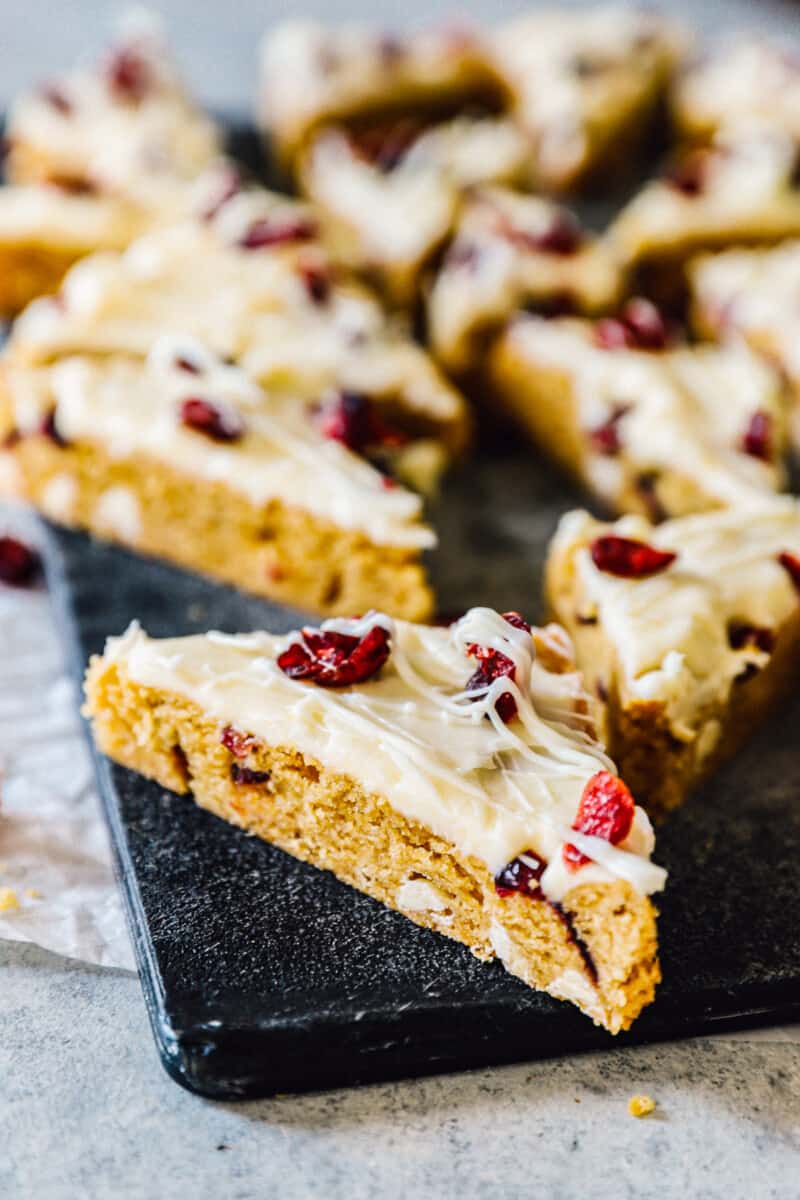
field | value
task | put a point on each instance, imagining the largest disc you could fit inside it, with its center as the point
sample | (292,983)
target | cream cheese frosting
(741,78)
(577,74)
(312,73)
(131,412)
(48,216)
(755,293)
(254,306)
(670,631)
(413,735)
(683,411)
(746,189)
(139,145)
(494,266)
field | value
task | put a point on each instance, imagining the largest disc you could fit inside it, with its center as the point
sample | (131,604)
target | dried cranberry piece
(688,175)
(740,635)
(128,74)
(791,563)
(240,744)
(267,232)
(317,281)
(757,439)
(48,429)
(639,326)
(222,425)
(354,420)
(605,438)
(522,874)
(230,184)
(332,659)
(187,364)
(57,98)
(628,558)
(19,564)
(493,664)
(245,775)
(562,235)
(606,811)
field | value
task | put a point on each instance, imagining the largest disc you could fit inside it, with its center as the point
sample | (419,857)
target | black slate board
(262,974)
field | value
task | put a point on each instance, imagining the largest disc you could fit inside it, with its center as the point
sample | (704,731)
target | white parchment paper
(54,851)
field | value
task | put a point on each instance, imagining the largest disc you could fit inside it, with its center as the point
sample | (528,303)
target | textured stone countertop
(86,1110)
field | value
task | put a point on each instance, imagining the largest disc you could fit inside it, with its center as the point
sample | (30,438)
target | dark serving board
(262,974)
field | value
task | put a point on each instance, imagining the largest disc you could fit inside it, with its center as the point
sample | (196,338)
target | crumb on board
(33,894)
(641,1106)
(9,901)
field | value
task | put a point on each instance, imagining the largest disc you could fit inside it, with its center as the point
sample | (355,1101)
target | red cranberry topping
(562,235)
(245,775)
(628,558)
(688,175)
(230,184)
(19,564)
(267,232)
(128,74)
(317,281)
(48,429)
(639,326)
(386,143)
(187,364)
(493,664)
(57,98)
(240,744)
(332,659)
(219,424)
(522,874)
(355,421)
(758,436)
(741,635)
(605,438)
(605,811)
(791,563)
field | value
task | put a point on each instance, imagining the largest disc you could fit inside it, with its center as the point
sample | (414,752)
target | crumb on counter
(9,901)
(641,1106)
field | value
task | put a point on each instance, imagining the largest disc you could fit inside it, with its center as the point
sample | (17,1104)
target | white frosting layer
(310,72)
(746,191)
(683,411)
(254,306)
(412,735)
(376,217)
(578,74)
(756,293)
(50,217)
(131,412)
(744,77)
(137,148)
(490,270)
(670,631)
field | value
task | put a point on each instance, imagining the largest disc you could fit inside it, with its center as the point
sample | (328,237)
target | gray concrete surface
(87,1112)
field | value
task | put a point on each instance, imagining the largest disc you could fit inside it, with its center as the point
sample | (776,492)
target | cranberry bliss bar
(650,425)
(451,773)
(689,632)
(95,158)
(186,457)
